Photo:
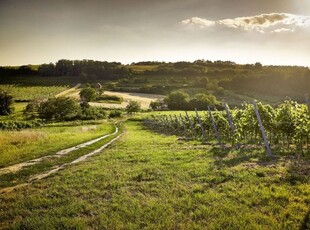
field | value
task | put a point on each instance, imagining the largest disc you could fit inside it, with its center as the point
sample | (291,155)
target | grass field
(151,181)
(23,93)
(19,146)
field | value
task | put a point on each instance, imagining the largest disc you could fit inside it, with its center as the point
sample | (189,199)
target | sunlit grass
(18,146)
(152,181)
(22,93)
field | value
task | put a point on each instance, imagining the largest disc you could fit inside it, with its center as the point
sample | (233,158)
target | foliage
(31,109)
(110,98)
(202,101)
(287,124)
(60,109)
(133,107)
(6,103)
(91,113)
(18,125)
(177,100)
(159,104)
(115,113)
(88,94)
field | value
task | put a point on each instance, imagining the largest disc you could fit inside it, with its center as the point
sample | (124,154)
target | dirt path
(68,91)
(55,170)
(58,168)
(143,98)
(17,167)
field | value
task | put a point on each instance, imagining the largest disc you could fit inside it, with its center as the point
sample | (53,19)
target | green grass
(23,93)
(142,68)
(19,146)
(17,113)
(147,180)
(12,179)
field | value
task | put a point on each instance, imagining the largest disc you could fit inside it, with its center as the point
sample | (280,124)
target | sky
(273,32)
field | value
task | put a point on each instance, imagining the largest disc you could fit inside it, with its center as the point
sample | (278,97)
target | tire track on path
(63,166)
(63,93)
(17,167)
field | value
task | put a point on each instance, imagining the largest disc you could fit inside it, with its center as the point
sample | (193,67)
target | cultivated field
(26,93)
(153,170)
(142,98)
(148,180)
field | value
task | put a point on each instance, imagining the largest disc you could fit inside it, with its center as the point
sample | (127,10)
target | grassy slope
(152,181)
(19,146)
(32,92)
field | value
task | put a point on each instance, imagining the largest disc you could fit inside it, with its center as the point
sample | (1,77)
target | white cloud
(200,22)
(282,30)
(274,22)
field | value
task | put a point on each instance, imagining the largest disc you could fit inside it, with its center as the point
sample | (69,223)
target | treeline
(90,69)
(85,68)
(292,81)
(280,81)
(23,70)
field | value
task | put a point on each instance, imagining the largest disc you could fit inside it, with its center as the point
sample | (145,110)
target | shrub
(158,105)
(60,109)
(113,98)
(202,101)
(177,100)
(6,103)
(31,110)
(91,113)
(18,125)
(133,107)
(88,94)
(115,113)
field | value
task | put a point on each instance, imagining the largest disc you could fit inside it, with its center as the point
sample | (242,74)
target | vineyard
(285,128)
(27,93)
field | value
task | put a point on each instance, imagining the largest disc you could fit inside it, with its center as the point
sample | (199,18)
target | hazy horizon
(275,32)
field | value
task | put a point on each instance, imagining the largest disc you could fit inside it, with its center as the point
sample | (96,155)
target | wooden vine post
(231,124)
(191,124)
(178,124)
(201,126)
(262,130)
(171,122)
(307,101)
(214,127)
(184,126)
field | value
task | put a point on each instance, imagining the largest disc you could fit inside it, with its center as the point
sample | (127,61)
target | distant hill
(226,80)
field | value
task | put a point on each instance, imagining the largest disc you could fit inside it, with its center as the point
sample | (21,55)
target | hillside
(226,80)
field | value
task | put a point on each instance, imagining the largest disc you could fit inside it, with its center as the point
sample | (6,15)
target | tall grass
(151,181)
(19,146)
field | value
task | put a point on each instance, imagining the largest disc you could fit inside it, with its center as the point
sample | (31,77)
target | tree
(159,104)
(6,103)
(31,109)
(133,107)
(177,100)
(60,109)
(88,94)
(202,101)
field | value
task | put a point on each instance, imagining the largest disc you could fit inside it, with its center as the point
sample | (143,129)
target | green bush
(18,125)
(115,113)
(6,103)
(59,109)
(110,98)
(91,113)
(88,94)
(133,107)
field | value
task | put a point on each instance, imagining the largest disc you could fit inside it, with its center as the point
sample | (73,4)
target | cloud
(274,22)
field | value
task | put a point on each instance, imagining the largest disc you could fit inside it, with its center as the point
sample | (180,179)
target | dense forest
(217,77)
